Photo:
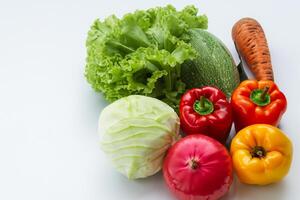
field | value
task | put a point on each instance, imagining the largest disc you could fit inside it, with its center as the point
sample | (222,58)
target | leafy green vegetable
(142,53)
(136,132)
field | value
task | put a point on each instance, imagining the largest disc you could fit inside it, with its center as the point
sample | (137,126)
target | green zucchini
(213,65)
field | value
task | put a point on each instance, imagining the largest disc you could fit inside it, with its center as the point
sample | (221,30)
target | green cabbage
(142,53)
(136,131)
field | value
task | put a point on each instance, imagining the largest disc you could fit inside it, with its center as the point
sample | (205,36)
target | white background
(48,113)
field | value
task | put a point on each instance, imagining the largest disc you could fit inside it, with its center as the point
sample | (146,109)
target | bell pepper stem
(265,92)
(202,99)
(203,106)
(258,152)
(260,96)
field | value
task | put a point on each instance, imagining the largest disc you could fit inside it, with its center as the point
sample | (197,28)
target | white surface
(48,113)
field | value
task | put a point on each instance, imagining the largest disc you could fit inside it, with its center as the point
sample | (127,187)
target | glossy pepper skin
(205,110)
(261,154)
(198,167)
(249,108)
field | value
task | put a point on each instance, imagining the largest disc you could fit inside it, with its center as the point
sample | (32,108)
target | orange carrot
(251,44)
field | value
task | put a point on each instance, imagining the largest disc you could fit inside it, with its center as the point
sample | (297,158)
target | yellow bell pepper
(261,154)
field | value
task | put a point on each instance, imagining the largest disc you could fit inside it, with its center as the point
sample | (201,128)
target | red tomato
(198,167)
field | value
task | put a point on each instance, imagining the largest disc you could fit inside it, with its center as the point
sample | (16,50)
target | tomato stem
(193,164)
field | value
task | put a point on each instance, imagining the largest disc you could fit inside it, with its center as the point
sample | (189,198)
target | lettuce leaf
(142,53)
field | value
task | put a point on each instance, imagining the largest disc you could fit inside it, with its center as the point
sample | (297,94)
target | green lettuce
(142,53)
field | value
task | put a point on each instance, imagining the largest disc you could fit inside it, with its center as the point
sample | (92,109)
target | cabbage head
(136,132)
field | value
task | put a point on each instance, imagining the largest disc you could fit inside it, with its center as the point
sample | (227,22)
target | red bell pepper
(257,102)
(205,110)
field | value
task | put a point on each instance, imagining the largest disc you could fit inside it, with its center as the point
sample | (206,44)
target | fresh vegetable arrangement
(156,63)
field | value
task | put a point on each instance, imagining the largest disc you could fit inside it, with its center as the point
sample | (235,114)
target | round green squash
(213,66)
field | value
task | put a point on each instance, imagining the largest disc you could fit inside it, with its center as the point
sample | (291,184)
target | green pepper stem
(260,96)
(202,99)
(203,106)
(265,92)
